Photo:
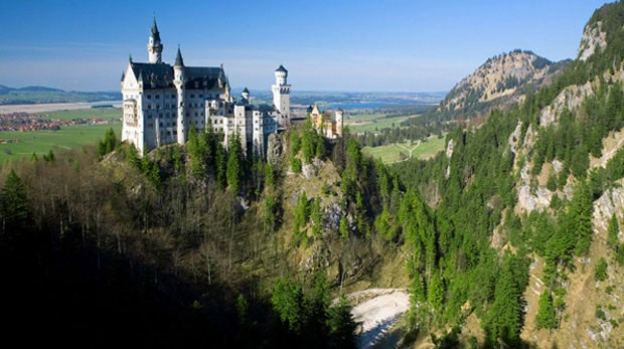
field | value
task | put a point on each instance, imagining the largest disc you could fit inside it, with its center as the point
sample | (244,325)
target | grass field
(377,124)
(103,113)
(392,153)
(41,142)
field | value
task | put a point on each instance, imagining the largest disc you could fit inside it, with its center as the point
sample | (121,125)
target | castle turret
(179,81)
(245,95)
(154,46)
(339,122)
(281,96)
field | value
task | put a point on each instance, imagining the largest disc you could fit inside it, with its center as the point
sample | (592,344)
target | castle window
(192,95)
(173,96)
(157,96)
(149,96)
(201,95)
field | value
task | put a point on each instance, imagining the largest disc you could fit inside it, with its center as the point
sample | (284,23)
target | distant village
(25,122)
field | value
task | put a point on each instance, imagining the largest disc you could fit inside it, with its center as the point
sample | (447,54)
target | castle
(161,102)
(322,121)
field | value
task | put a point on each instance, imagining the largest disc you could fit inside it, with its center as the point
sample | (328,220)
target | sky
(326,45)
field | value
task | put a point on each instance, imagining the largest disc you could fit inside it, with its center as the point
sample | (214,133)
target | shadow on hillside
(84,297)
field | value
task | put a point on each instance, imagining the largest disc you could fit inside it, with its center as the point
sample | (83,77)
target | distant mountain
(502,80)
(39,89)
(43,94)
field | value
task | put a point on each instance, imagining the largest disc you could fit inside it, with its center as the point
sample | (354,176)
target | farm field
(41,142)
(375,124)
(392,153)
(102,113)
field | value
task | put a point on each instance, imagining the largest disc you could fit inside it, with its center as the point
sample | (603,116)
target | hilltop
(41,94)
(501,81)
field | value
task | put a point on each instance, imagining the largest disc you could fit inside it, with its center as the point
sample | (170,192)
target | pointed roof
(179,62)
(245,90)
(281,69)
(155,33)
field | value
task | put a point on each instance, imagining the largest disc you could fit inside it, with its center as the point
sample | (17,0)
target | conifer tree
(14,201)
(613,232)
(341,325)
(546,316)
(234,165)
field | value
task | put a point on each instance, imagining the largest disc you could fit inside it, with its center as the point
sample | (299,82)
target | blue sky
(339,45)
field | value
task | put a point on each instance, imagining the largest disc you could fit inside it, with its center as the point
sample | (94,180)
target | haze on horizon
(395,45)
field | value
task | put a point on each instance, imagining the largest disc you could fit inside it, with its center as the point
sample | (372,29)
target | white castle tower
(179,81)
(281,96)
(154,46)
(339,122)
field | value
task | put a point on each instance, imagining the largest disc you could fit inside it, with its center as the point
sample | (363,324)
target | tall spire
(179,62)
(154,46)
(155,33)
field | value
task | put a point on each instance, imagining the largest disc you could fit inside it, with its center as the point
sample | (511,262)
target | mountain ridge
(502,80)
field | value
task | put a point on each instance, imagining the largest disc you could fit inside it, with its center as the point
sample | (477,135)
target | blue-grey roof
(153,75)
(203,77)
(157,76)
(281,69)
(155,33)
(179,62)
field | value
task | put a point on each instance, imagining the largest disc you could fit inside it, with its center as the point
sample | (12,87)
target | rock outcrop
(593,38)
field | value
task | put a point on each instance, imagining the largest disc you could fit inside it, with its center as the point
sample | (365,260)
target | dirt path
(377,310)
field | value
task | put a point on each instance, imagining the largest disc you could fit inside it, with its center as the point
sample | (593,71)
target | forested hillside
(510,238)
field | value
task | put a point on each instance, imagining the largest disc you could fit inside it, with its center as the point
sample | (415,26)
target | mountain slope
(534,194)
(501,81)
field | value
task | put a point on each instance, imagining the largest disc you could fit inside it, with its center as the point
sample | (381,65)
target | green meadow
(102,113)
(378,124)
(392,153)
(41,142)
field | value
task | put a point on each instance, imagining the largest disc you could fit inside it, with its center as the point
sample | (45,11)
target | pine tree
(435,292)
(269,177)
(546,316)
(614,229)
(301,218)
(316,217)
(234,165)
(221,164)
(344,227)
(580,215)
(14,201)
(287,300)
(503,322)
(341,325)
